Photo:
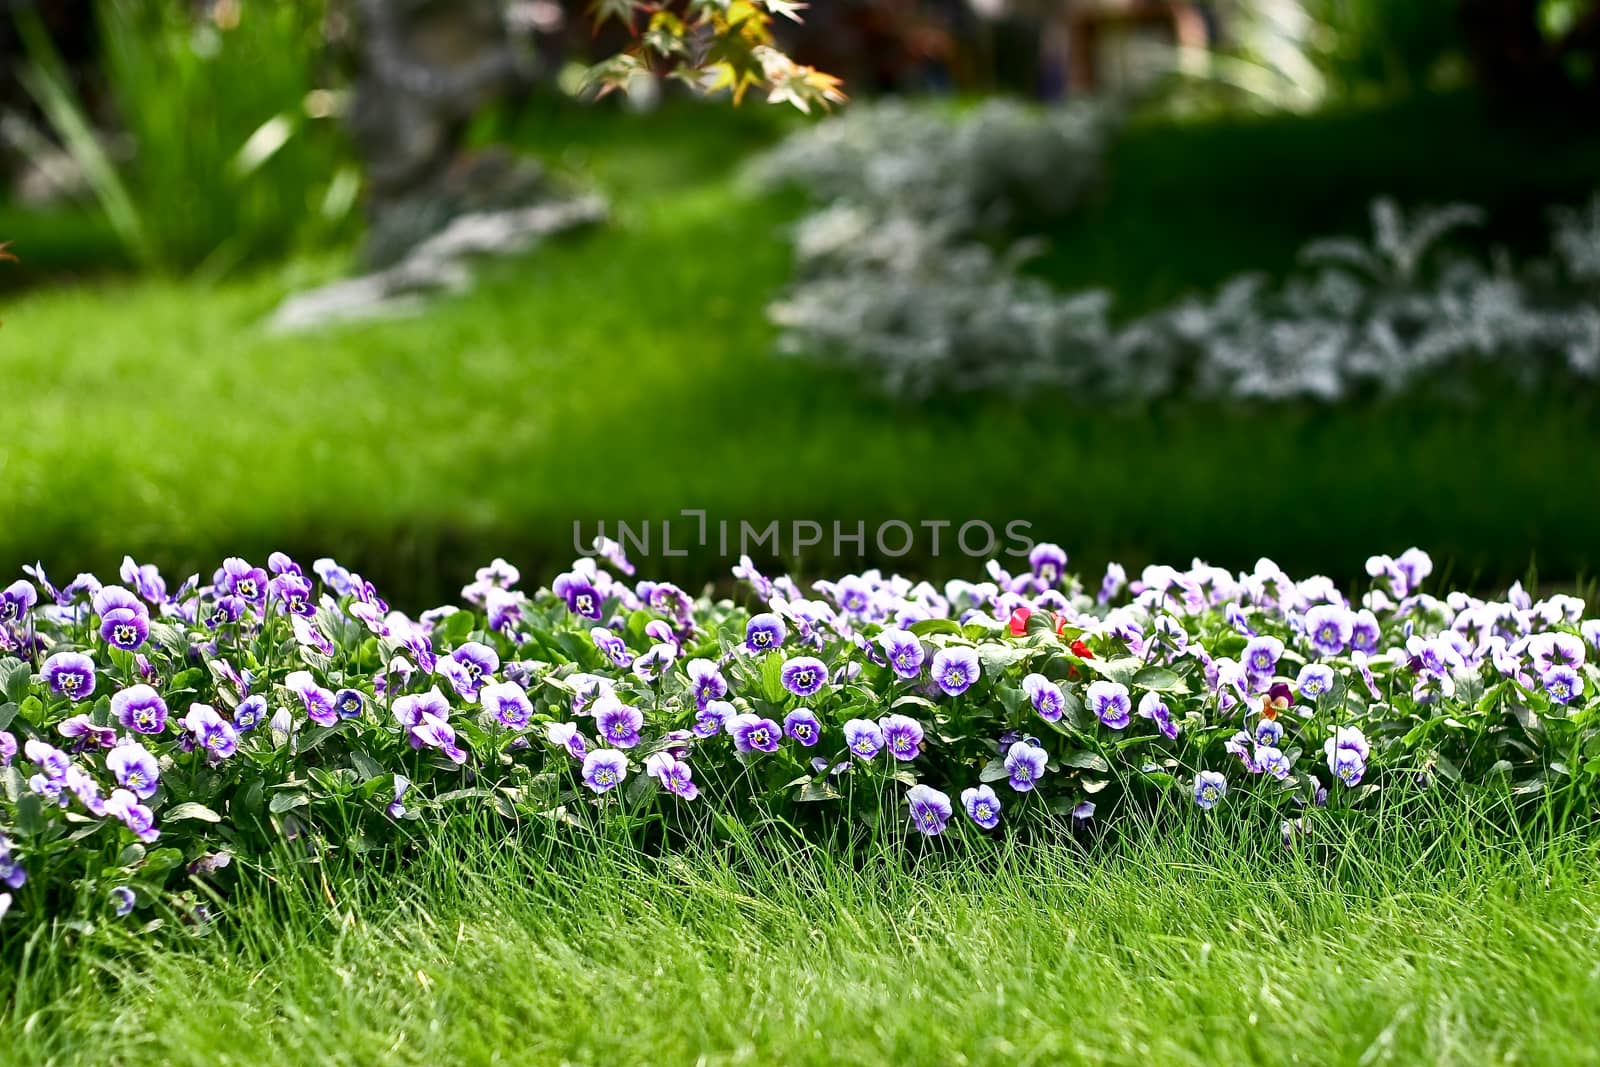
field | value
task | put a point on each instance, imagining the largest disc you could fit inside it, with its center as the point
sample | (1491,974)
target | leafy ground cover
(627,374)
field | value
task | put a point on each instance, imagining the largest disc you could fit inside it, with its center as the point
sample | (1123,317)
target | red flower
(1019,622)
(1081,650)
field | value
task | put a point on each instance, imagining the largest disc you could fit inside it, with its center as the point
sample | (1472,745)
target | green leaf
(1121,670)
(287,800)
(366,766)
(993,771)
(30,813)
(772,677)
(189,679)
(461,794)
(1073,712)
(190,810)
(8,712)
(1012,698)
(928,627)
(995,658)
(162,859)
(1160,679)
(1089,761)
(1159,778)
(820,789)
(17,682)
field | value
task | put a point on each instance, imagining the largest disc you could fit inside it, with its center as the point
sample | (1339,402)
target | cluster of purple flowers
(146,711)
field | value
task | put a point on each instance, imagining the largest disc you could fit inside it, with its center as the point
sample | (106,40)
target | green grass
(1208,943)
(628,373)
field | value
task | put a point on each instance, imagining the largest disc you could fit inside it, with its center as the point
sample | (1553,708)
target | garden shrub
(910,269)
(151,733)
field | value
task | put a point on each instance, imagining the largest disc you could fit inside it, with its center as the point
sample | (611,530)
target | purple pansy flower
(70,674)
(1563,684)
(802,725)
(140,708)
(656,659)
(1152,707)
(226,611)
(50,759)
(955,669)
(295,593)
(983,807)
(124,806)
(764,632)
(582,598)
(675,776)
(125,628)
(134,769)
(1025,764)
(567,735)
(1269,732)
(1261,655)
(122,900)
(408,710)
(752,733)
(396,808)
(317,700)
(282,563)
(902,736)
(16,600)
(863,738)
(1209,789)
(11,872)
(904,652)
(146,580)
(349,703)
(211,731)
(710,720)
(930,809)
(604,769)
(434,732)
(1048,562)
(81,726)
(706,682)
(1315,679)
(1110,703)
(1364,633)
(335,577)
(804,675)
(477,663)
(614,647)
(508,703)
(248,715)
(1347,751)
(1046,697)
(242,580)
(1328,628)
(1272,762)
(617,723)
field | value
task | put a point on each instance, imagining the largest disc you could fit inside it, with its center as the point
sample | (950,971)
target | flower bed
(150,735)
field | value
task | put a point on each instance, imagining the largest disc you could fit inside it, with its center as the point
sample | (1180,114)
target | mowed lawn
(1206,944)
(628,373)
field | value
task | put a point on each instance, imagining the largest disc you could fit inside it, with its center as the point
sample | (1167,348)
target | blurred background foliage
(174,169)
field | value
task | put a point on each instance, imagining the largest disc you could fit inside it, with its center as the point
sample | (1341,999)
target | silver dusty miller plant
(900,273)
(898,269)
